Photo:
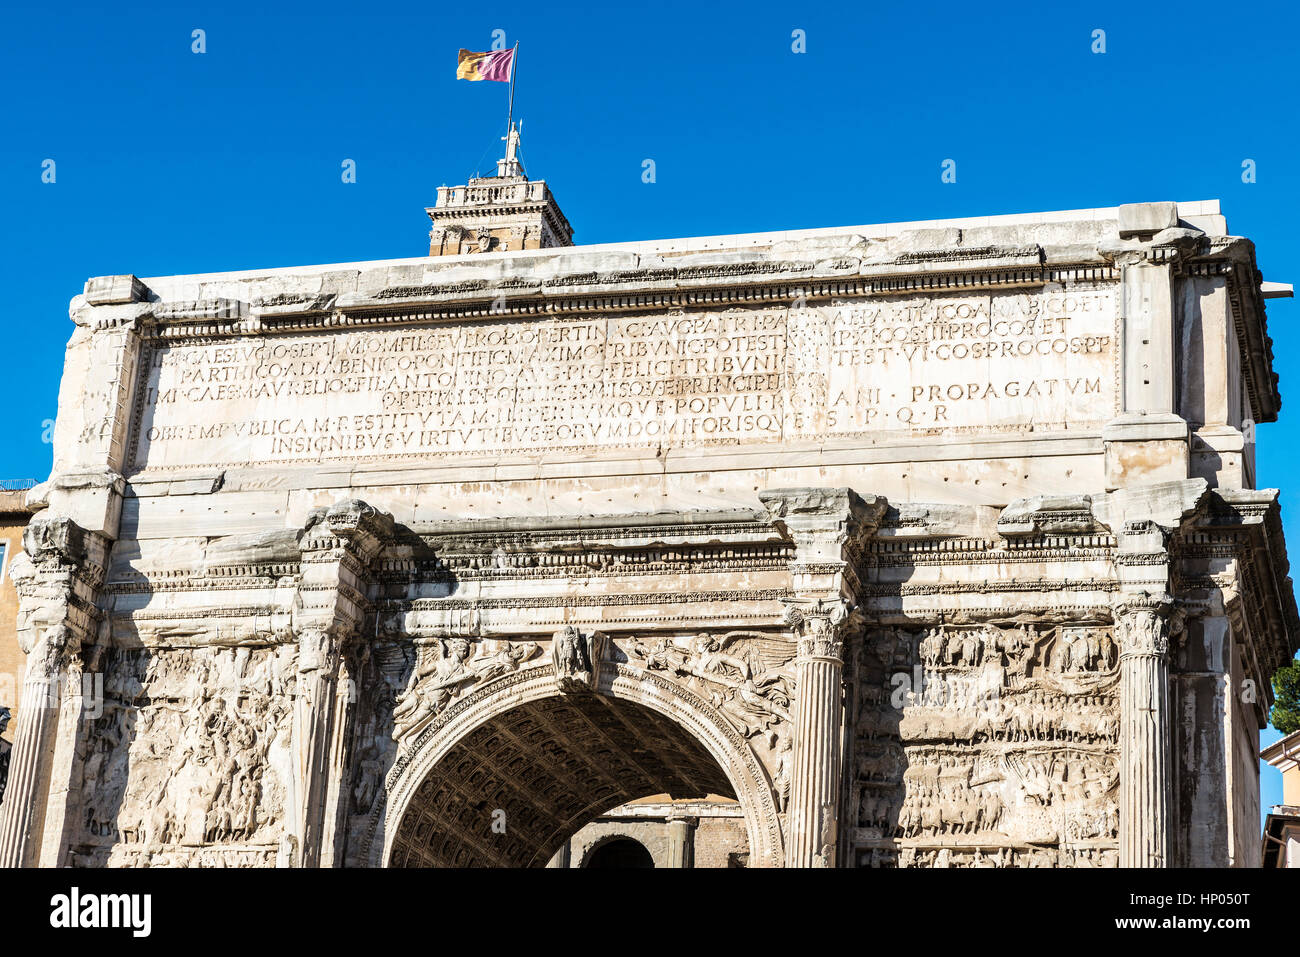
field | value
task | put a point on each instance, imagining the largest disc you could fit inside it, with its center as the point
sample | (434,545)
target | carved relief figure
(505,660)
(752,694)
(441,674)
(4,751)
(784,768)
(577,658)
(1085,650)
(444,670)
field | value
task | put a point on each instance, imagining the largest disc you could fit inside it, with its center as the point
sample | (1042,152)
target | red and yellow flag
(493,65)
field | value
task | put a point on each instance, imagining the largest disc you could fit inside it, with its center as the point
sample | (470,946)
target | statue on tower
(507,212)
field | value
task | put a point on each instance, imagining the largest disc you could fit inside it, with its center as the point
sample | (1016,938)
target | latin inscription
(923,366)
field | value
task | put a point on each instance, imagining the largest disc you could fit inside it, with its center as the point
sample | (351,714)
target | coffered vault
(551,766)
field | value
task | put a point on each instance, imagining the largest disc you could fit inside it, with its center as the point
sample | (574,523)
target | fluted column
(1148,523)
(1143,626)
(314,718)
(340,737)
(829,528)
(57,577)
(23,813)
(818,724)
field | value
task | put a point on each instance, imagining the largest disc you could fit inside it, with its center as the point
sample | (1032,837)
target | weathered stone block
(1144,220)
(113,290)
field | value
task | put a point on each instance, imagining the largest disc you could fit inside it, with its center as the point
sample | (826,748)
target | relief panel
(987,745)
(189,763)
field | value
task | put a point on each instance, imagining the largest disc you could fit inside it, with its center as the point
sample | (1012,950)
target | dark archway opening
(622,852)
(515,788)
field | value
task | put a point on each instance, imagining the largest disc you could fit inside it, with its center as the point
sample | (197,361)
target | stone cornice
(340,546)
(361,529)
(657,286)
(1149,514)
(1246,525)
(53,543)
(840,515)
(58,578)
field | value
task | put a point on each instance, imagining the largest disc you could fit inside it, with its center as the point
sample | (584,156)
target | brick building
(13,519)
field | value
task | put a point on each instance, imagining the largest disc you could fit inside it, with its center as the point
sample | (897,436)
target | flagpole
(510,115)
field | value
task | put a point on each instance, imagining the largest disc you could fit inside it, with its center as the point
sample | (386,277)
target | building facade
(927,544)
(13,519)
(1282,826)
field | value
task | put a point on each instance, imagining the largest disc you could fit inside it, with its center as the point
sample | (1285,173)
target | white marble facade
(931,544)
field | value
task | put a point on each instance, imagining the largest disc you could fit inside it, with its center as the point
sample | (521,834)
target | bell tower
(500,213)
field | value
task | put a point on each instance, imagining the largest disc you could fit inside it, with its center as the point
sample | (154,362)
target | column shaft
(561,857)
(22,815)
(315,721)
(1144,761)
(815,784)
(1143,625)
(336,795)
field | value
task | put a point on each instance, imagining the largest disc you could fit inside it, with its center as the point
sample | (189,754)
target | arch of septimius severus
(928,544)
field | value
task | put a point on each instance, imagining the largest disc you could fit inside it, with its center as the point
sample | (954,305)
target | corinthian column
(340,734)
(828,527)
(1147,521)
(23,813)
(1143,625)
(812,819)
(318,653)
(56,577)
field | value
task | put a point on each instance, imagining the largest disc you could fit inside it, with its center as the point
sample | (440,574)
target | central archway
(519,753)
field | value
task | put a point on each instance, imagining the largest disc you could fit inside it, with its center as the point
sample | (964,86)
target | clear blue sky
(172,162)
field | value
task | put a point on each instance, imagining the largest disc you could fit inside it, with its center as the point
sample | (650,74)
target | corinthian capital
(318,650)
(1145,623)
(51,651)
(820,625)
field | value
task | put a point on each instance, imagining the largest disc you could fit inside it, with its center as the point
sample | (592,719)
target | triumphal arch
(928,544)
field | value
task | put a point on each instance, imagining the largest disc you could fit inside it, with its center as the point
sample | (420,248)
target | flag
(494,65)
